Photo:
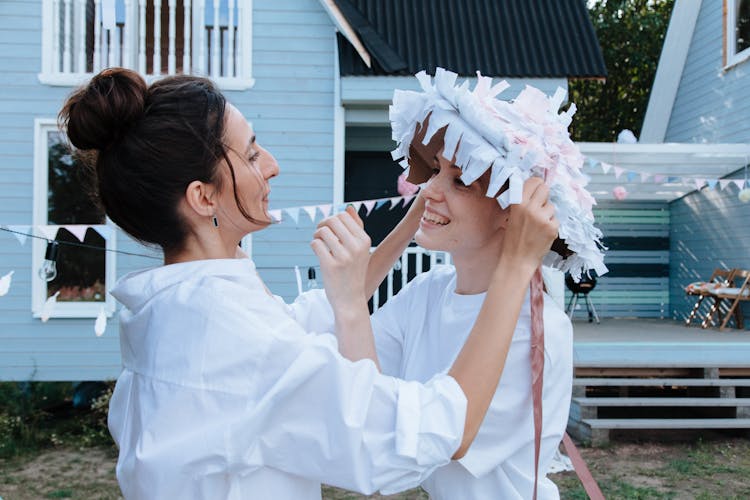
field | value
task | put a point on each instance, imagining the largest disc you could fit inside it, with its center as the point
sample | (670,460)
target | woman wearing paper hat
(471,152)
(224,393)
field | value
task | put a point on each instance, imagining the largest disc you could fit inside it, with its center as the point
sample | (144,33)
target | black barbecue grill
(581,290)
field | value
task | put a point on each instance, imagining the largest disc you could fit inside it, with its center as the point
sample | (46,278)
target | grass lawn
(713,469)
(49,449)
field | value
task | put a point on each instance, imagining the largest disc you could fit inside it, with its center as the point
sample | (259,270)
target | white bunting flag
(275,215)
(77,230)
(310,211)
(740,183)
(606,167)
(49,307)
(21,233)
(618,172)
(325,209)
(49,232)
(293,212)
(5,283)
(100,325)
(369,205)
(723,183)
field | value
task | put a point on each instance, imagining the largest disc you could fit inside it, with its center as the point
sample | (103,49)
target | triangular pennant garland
(310,211)
(77,230)
(325,209)
(369,205)
(293,212)
(49,232)
(20,232)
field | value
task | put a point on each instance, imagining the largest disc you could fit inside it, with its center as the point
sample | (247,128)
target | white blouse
(419,333)
(224,394)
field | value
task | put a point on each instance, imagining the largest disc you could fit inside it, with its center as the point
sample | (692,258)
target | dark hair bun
(99,114)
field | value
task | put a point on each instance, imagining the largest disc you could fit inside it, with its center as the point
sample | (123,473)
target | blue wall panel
(291,108)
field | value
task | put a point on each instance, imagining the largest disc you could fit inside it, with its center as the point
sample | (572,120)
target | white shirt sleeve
(345,424)
(312,311)
(280,398)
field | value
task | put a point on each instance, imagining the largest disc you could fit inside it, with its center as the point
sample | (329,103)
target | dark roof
(509,38)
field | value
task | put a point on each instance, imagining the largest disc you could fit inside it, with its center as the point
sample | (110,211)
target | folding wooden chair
(735,296)
(705,289)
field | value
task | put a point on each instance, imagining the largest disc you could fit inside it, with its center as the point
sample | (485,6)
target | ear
(199,196)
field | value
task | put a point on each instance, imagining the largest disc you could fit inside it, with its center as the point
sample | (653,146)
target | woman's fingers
(355,216)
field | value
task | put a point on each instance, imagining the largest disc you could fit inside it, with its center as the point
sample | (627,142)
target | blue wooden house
(700,97)
(314,78)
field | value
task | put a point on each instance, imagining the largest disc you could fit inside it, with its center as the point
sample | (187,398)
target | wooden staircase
(648,400)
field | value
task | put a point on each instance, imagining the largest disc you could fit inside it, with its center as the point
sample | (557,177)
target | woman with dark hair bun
(224,392)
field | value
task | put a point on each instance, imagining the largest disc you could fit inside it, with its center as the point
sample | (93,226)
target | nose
(269,167)
(434,190)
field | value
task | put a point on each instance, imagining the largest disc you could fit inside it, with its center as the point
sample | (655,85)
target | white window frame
(50,75)
(733,58)
(42,126)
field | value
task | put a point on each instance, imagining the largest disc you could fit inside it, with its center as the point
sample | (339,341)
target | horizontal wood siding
(637,284)
(710,230)
(711,104)
(291,108)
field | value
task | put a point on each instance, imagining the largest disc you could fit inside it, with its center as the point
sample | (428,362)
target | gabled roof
(509,38)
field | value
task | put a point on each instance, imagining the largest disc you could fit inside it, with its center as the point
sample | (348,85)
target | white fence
(413,261)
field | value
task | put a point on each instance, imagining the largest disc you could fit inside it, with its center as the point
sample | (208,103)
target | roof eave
(346,29)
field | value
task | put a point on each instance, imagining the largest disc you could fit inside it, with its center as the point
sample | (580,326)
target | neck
(202,245)
(475,267)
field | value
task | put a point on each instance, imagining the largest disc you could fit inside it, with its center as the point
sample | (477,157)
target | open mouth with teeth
(435,219)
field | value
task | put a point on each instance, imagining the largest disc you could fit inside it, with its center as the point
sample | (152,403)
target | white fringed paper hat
(516,140)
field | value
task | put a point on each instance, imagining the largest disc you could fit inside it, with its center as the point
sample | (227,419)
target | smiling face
(253,166)
(458,219)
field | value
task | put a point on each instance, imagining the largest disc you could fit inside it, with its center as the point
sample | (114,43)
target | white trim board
(669,71)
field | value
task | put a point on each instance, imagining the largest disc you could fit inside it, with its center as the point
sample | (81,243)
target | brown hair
(145,144)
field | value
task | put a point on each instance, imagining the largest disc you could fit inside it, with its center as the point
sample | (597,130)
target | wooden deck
(641,344)
(645,374)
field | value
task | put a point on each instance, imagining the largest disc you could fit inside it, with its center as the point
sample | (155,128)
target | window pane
(80,271)
(68,196)
(743,25)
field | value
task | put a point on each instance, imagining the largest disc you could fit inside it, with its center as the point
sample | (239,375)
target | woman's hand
(532,226)
(343,248)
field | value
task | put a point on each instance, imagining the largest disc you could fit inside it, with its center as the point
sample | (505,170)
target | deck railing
(155,37)
(413,261)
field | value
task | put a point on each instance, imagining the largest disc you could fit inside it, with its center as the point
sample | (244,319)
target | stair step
(668,423)
(649,382)
(627,401)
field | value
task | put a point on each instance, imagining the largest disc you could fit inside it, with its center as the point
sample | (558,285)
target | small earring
(215,221)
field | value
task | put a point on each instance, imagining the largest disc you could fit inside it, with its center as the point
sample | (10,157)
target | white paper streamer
(5,282)
(514,140)
(49,307)
(100,325)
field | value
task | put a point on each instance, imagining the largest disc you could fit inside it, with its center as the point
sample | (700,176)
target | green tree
(631,34)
